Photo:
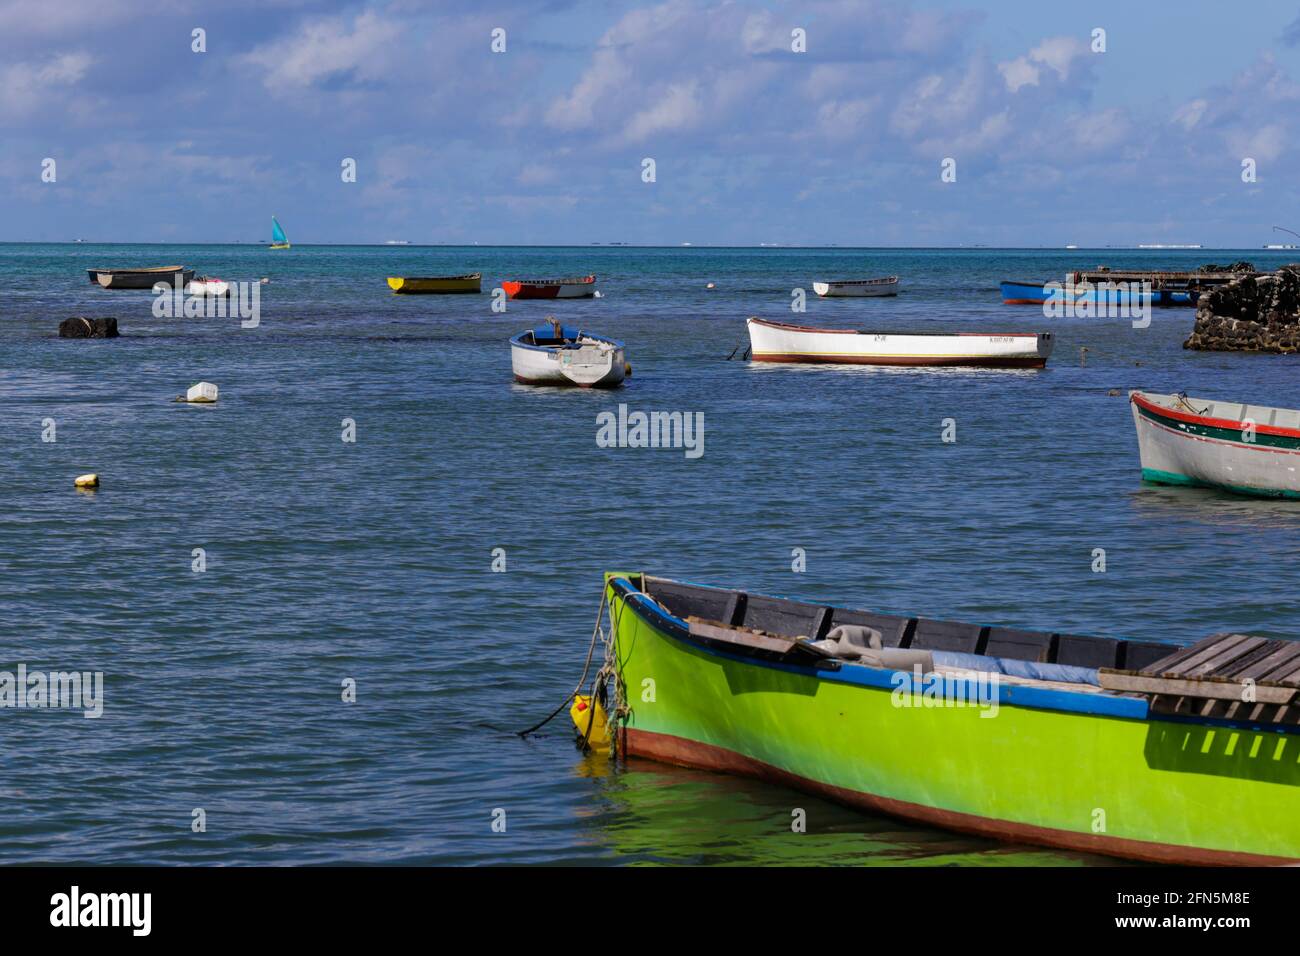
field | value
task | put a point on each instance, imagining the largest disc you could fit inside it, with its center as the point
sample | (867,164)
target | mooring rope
(591,650)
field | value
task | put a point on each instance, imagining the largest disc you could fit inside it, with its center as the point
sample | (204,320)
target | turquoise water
(371,561)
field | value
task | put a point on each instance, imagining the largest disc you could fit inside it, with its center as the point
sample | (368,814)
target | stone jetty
(1256,313)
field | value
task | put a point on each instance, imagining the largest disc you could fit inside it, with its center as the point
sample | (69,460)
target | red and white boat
(583,288)
(778,342)
(208,285)
(1208,443)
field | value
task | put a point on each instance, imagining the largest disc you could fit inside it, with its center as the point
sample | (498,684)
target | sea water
(307,656)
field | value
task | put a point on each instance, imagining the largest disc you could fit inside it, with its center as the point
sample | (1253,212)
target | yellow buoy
(627,369)
(87,481)
(582,715)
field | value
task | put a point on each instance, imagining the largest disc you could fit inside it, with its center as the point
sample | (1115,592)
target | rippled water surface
(371,561)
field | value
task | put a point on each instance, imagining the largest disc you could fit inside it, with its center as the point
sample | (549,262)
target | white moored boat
(208,285)
(1248,449)
(777,342)
(857,288)
(553,354)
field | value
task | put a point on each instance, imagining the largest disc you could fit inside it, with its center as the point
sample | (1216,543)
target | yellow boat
(432,285)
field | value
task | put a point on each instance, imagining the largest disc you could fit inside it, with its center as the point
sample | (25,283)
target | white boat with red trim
(579,288)
(778,342)
(208,285)
(1242,448)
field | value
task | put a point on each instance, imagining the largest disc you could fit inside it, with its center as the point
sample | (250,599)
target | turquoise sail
(277,234)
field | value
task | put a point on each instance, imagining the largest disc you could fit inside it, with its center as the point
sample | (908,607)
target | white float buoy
(709,286)
(87,481)
(203,392)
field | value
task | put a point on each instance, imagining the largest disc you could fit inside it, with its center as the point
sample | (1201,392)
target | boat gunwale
(885,280)
(467,275)
(150,271)
(1140,399)
(585,280)
(515,340)
(813,329)
(861,675)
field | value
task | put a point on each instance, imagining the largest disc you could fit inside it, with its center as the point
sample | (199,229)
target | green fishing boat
(1137,749)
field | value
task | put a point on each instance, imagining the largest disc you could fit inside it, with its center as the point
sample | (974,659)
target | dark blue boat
(1038,293)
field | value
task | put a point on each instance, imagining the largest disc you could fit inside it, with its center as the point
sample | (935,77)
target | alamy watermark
(240,300)
(1114,300)
(964,689)
(71,690)
(651,430)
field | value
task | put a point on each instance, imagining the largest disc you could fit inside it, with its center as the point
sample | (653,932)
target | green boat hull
(1043,768)
(1157,477)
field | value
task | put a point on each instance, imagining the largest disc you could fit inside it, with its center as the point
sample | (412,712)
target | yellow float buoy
(87,481)
(627,369)
(582,715)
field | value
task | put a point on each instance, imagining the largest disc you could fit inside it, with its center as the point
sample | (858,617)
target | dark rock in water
(1240,266)
(1256,313)
(79,327)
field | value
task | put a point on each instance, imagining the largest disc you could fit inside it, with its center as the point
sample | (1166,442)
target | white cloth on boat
(1034,670)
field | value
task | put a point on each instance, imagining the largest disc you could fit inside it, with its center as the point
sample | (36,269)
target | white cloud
(846,119)
(1018,72)
(607,72)
(1055,53)
(326,49)
(760,34)
(27,87)
(678,108)
(1189,114)
(1262,145)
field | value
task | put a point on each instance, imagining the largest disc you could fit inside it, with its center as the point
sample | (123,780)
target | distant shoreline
(681,248)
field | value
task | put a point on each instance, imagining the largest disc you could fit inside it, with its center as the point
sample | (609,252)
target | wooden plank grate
(1224,676)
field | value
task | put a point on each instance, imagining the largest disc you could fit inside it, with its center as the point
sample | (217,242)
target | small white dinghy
(778,342)
(1246,449)
(208,285)
(857,288)
(553,354)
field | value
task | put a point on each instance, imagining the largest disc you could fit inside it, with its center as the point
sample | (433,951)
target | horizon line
(388,244)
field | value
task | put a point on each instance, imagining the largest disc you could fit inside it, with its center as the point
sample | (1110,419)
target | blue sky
(753,143)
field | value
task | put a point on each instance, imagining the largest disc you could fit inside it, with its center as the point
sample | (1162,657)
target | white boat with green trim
(1246,449)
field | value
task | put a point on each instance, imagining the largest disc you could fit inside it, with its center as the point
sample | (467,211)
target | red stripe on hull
(547,289)
(1023,301)
(666,748)
(516,291)
(1228,423)
(798,358)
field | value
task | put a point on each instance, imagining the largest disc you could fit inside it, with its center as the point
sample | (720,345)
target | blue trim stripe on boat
(568,333)
(1038,698)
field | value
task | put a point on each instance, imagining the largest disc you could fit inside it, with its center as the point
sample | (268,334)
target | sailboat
(278,239)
